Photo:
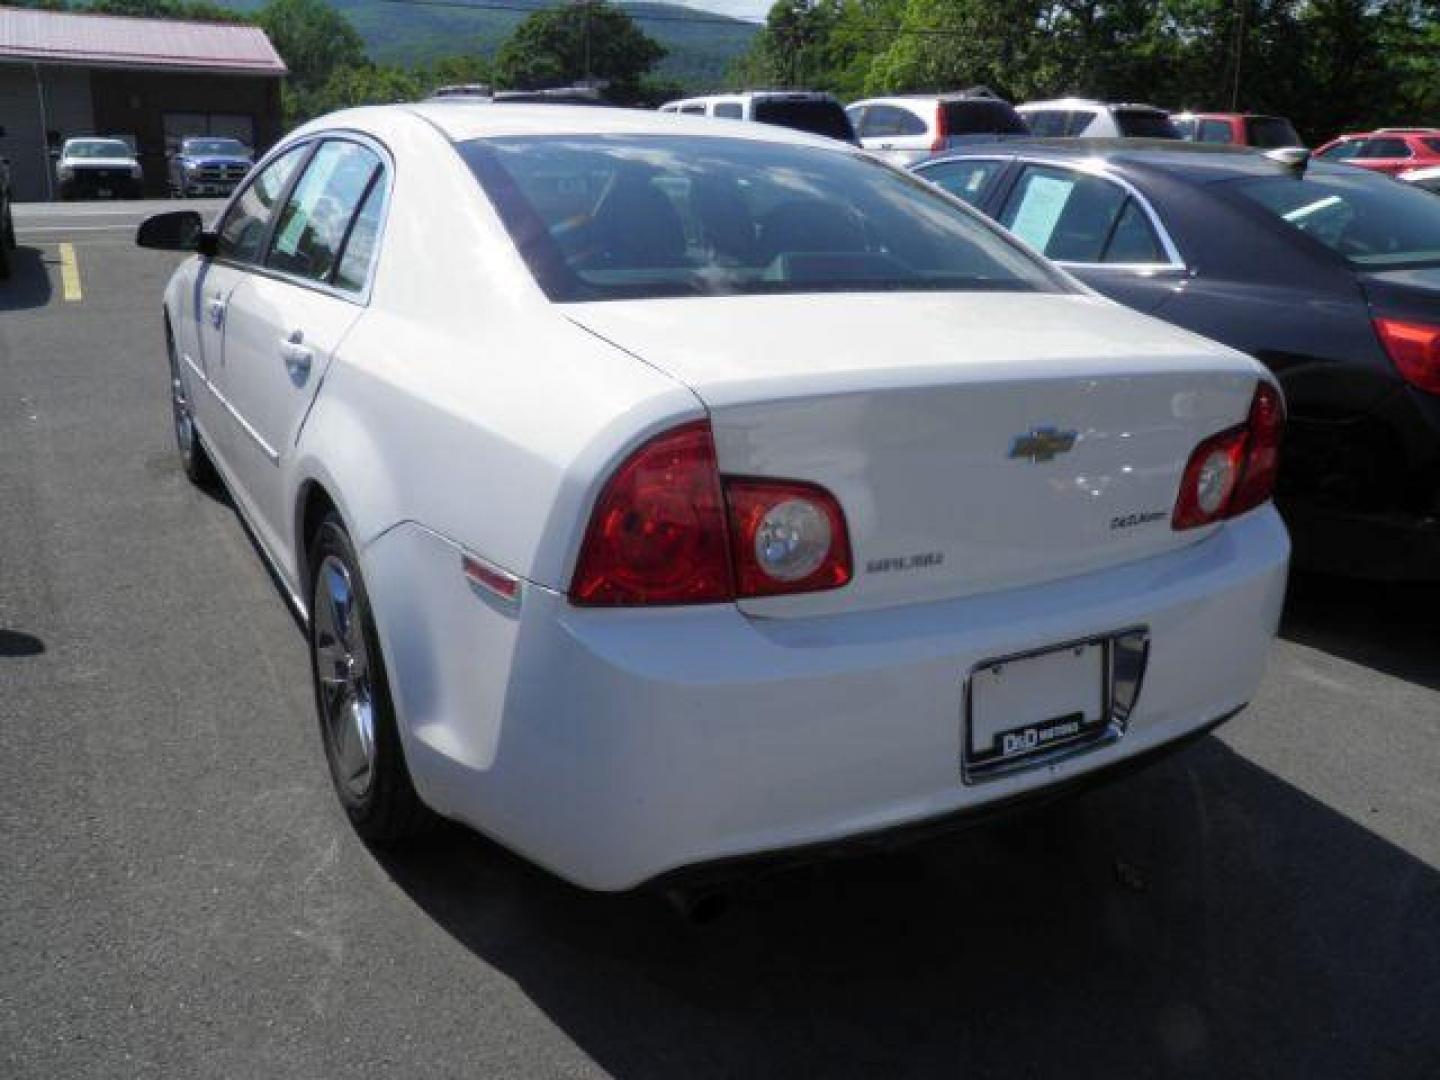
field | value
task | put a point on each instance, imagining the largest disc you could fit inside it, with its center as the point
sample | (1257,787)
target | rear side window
(1271,132)
(729,110)
(1057,123)
(243,230)
(1145,124)
(1383,148)
(1215,131)
(316,220)
(359,253)
(889,121)
(1079,218)
(819,117)
(970,180)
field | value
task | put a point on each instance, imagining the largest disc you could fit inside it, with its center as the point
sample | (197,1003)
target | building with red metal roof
(148,81)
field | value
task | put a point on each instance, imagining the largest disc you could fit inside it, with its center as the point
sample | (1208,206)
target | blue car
(206,165)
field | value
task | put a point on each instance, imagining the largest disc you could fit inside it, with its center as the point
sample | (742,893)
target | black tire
(194,461)
(388,809)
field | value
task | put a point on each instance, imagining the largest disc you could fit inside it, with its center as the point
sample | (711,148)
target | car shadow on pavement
(1202,918)
(15,643)
(1394,628)
(28,285)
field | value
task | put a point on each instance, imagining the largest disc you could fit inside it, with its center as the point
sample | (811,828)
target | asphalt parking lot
(180,894)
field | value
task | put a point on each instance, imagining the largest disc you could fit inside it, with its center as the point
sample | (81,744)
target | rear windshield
(818,117)
(972,118)
(618,217)
(1057,123)
(1144,124)
(1372,221)
(1271,132)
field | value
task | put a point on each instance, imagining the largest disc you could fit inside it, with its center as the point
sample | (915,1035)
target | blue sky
(741,9)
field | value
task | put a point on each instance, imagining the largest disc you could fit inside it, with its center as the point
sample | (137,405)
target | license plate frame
(1088,718)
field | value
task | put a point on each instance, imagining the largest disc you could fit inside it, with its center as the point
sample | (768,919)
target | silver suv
(803,110)
(910,128)
(1085,119)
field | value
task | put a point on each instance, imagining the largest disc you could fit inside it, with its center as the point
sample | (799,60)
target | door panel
(279,339)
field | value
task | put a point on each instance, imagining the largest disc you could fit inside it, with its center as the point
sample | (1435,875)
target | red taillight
(786,537)
(1414,349)
(1235,470)
(657,535)
(661,532)
(1262,451)
(942,129)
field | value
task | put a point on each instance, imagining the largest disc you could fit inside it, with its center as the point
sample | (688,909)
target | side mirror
(179,230)
(54,154)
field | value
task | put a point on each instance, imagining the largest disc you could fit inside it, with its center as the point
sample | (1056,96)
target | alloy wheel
(342,668)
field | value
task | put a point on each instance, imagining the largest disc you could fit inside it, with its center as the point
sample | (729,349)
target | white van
(803,110)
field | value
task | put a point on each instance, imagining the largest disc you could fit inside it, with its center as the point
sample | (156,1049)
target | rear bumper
(617,746)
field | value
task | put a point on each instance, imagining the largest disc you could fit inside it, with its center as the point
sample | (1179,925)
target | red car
(1237,129)
(1387,150)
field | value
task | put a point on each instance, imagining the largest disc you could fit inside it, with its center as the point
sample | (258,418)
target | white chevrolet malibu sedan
(662,491)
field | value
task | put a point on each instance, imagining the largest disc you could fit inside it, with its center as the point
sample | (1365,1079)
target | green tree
(587,40)
(313,38)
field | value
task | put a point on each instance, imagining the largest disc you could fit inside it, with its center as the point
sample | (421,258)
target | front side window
(316,218)
(730,110)
(970,180)
(243,229)
(1078,218)
(1371,221)
(616,217)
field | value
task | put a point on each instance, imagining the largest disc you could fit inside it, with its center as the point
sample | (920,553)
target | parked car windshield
(1271,132)
(98,148)
(225,147)
(1372,221)
(817,116)
(614,217)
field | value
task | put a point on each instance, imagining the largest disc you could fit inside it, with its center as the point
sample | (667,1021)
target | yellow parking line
(69,273)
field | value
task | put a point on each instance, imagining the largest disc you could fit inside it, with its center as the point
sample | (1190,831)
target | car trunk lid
(974,441)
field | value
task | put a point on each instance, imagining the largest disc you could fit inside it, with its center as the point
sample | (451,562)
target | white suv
(803,110)
(1080,118)
(908,129)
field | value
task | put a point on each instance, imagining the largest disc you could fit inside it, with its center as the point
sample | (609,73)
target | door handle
(297,356)
(216,310)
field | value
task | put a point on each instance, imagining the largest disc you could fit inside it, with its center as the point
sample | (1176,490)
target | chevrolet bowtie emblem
(1042,444)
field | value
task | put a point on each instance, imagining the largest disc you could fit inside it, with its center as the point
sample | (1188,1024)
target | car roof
(1196,162)
(1087,103)
(461,121)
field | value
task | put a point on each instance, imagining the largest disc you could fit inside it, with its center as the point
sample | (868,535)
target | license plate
(1027,707)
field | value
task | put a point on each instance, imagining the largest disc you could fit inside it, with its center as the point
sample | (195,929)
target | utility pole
(1240,6)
